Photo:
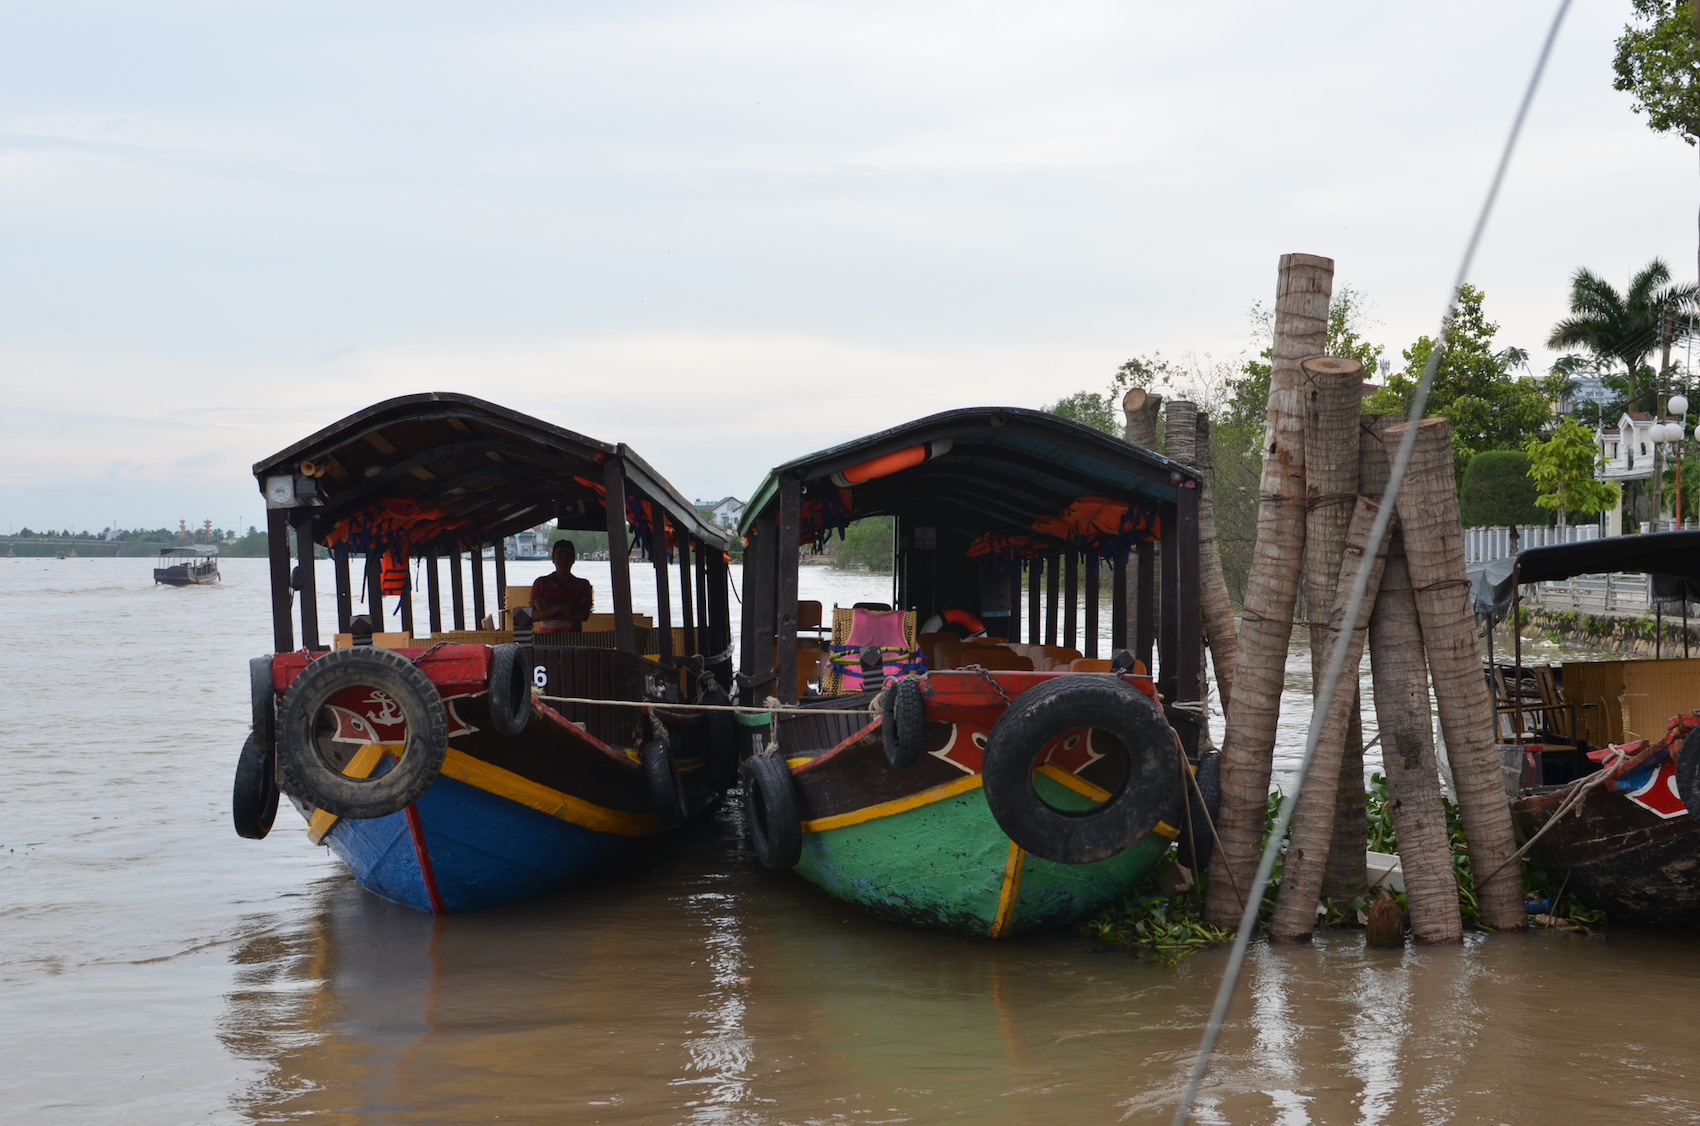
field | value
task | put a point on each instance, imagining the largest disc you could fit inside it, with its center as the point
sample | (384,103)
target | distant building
(726,511)
(1626,455)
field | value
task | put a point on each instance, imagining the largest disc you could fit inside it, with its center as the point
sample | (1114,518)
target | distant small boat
(186,566)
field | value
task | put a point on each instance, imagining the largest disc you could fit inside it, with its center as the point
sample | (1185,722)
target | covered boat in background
(186,566)
(953,775)
(424,762)
(1602,758)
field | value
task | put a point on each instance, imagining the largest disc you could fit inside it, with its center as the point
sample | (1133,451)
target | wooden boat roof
(1006,467)
(1657,553)
(500,470)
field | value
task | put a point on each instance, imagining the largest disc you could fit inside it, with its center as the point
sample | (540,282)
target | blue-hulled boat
(468,768)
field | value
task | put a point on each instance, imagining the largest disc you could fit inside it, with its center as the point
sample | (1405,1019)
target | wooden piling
(1313,819)
(1407,754)
(1333,391)
(1187,439)
(1140,408)
(1404,716)
(1301,324)
(1434,553)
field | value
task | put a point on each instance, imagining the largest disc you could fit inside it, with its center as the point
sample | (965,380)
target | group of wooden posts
(1325,468)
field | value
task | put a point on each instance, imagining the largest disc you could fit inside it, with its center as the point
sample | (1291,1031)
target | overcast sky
(729,234)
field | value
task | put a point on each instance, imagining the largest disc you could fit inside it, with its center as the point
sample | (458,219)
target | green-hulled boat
(952,775)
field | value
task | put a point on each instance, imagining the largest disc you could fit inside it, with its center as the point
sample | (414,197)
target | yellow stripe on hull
(886,809)
(492,779)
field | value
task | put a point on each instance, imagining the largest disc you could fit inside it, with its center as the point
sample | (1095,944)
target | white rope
(778,709)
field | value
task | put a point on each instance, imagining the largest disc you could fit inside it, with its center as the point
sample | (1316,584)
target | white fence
(1483,544)
(1598,594)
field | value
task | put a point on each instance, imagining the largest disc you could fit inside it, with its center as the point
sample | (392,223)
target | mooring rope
(748,709)
(1360,588)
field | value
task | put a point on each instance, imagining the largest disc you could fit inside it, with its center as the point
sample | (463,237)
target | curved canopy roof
(490,470)
(1005,467)
(1656,553)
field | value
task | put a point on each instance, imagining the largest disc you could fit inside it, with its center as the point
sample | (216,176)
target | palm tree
(1621,327)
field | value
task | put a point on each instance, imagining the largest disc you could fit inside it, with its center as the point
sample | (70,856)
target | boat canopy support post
(1092,604)
(373,581)
(433,595)
(1189,620)
(1072,595)
(687,624)
(478,585)
(1168,612)
(405,598)
(457,590)
(1145,597)
(1118,603)
(277,551)
(344,590)
(663,595)
(1014,601)
(717,620)
(619,554)
(1035,601)
(785,594)
(705,642)
(309,587)
(1053,588)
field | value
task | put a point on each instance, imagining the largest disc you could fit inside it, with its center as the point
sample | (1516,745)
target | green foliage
(1167,929)
(1658,63)
(1623,328)
(1562,469)
(1092,409)
(1488,407)
(866,546)
(1498,492)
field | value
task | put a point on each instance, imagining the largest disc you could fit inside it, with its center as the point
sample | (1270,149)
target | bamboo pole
(1301,325)
(1407,754)
(1314,817)
(1333,389)
(1434,552)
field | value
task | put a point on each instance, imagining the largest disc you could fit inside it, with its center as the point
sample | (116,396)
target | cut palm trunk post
(1190,445)
(1302,290)
(1434,553)
(1405,719)
(1314,819)
(1407,753)
(1333,390)
(1140,408)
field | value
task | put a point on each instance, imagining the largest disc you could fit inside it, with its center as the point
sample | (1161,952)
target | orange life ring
(966,620)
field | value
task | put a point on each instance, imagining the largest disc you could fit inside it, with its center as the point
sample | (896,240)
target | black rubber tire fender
(1688,773)
(666,788)
(262,700)
(1203,814)
(509,689)
(770,812)
(253,799)
(306,773)
(900,722)
(1150,793)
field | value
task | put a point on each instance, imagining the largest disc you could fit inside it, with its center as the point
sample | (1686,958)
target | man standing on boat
(560,600)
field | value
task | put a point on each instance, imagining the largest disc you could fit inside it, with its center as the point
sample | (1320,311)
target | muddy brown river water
(154,968)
